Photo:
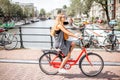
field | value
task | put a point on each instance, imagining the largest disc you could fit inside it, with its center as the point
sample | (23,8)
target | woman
(61,35)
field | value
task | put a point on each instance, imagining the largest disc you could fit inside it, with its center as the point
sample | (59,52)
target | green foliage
(84,6)
(70,12)
(87,6)
(10,9)
(59,11)
(1,12)
(42,12)
(76,6)
(81,6)
(64,7)
(16,11)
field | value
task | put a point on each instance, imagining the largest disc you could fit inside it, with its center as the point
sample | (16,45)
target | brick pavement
(14,71)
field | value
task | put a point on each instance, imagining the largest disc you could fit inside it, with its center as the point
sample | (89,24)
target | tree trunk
(105,7)
(107,13)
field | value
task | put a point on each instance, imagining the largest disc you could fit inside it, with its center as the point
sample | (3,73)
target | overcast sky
(48,5)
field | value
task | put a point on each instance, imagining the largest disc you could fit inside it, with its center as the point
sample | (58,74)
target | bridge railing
(51,40)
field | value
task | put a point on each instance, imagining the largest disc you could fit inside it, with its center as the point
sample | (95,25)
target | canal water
(36,28)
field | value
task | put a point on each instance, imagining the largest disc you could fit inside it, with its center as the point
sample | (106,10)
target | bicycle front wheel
(10,41)
(44,63)
(92,68)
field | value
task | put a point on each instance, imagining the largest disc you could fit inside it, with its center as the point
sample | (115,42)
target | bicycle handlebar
(86,45)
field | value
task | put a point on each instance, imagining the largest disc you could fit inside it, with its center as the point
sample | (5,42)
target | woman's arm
(66,31)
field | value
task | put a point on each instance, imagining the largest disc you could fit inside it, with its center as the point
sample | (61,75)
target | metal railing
(21,34)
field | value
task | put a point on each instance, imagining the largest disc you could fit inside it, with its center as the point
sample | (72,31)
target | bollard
(21,40)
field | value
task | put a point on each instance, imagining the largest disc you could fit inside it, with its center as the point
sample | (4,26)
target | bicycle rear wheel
(44,63)
(94,68)
(108,45)
(10,41)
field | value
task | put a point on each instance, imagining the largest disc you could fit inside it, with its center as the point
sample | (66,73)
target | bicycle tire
(10,41)
(89,70)
(109,47)
(92,44)
(46,67)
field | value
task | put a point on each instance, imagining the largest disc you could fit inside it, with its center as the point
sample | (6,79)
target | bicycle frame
(56,64)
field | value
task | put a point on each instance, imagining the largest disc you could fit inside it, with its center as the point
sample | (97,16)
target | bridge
(22,64)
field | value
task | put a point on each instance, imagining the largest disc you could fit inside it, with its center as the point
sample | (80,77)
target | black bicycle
(110,42)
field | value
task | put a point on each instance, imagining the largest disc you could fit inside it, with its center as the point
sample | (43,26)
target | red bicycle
(91,64)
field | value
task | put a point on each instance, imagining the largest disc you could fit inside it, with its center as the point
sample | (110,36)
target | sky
(48,5)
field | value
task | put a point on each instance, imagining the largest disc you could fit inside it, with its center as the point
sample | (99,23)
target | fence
(21,34)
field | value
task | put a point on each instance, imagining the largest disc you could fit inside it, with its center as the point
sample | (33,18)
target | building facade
(117,9)
(113,9)
(97,11)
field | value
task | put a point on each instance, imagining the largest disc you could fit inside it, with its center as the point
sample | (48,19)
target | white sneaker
(62,71)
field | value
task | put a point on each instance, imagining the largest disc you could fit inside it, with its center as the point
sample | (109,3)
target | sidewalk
(15,71)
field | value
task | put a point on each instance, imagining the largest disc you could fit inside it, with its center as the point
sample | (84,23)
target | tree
(48,14)
(16,10)
(70,12)
(5,4)
(87,6)
(42,12)
(104,4)
(64,7)
(1,12)
(76,6)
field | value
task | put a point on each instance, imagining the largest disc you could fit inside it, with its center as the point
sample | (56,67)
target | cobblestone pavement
(16,71)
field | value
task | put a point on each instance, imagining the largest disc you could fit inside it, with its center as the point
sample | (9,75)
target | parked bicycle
(91,64)
(7,40)
(110,42)
(111,39)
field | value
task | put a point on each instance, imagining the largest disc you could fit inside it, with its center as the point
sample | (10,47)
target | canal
(36,28)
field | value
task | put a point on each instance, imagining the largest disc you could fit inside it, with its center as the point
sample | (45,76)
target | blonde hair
(58,21)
